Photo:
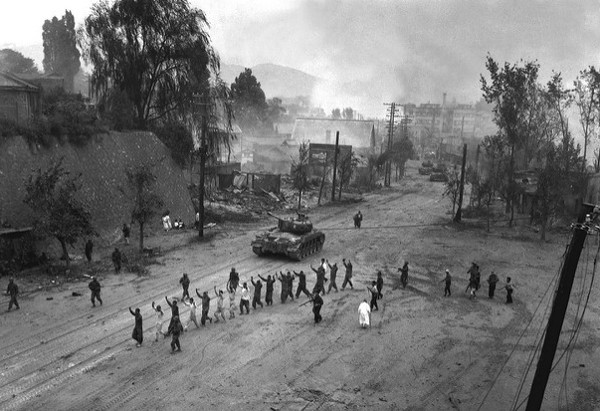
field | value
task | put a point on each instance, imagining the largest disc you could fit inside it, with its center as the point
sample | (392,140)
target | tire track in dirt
(41,381)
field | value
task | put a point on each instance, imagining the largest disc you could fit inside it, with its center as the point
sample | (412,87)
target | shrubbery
(65,118)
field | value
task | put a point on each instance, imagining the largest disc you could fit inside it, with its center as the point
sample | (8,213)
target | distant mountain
(275,80)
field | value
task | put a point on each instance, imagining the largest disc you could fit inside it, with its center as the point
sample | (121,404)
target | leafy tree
(115,108)
(249,101)
(300,172)
(14,62)
(157,51)
(51,195)
(60,48)
(336,114)
(509,90)
(146,204)
(586,95)
(348,113)
(402,151)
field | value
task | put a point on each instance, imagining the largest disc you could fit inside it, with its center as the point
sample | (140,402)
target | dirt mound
(102,164)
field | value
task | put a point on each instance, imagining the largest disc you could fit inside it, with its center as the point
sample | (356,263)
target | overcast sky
(396,50)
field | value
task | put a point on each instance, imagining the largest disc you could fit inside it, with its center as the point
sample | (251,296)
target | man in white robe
(364,314)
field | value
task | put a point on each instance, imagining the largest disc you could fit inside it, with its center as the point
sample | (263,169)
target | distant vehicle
(439,177)
(427,163)
(425,171)
(293,237)
(440,168)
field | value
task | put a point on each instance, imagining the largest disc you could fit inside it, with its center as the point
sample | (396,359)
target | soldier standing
(317,304)
(492,280)
(269,292)
(257,289)
(116,259)
(374,294)
(404,274)
(509,291)
(379,284)
(448,280)
(332,276)
(348,276)
(95,287)
(357,219)
(234,279)
(13,291)
(185,283)
(302,284)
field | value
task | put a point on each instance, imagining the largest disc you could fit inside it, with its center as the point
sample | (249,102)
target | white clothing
(245,294)
(364,314)
(159,323)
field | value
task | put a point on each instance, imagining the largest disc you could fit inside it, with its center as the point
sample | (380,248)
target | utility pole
(335,156)
(458,215)
(557,315)
(204,130)
(388,163)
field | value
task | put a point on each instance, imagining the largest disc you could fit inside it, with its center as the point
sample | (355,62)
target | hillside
(102,164)
(276,81)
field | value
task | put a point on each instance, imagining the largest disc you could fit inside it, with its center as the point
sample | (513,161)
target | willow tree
(156,51)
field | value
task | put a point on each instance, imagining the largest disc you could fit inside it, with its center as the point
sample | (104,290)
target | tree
(157,51)
(146,203)
(249,101)
(51,195)
(509,90)
(275,110)
(452,190)
(586,95)
(336,114)
(14,62)
(60,48)
(300,172)
(348,113)
(402,151)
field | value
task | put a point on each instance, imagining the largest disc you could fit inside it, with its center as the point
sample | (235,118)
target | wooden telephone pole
(203,104)
(388,164)
(335,158)
(559,308)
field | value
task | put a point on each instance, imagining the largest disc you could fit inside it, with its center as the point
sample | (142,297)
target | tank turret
(300,225)
(293,237)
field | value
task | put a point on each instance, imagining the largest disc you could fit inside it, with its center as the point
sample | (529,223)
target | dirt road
(423,352)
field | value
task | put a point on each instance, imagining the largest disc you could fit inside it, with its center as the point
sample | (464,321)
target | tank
(293,237)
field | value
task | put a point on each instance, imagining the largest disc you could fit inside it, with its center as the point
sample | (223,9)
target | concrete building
(355,133)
